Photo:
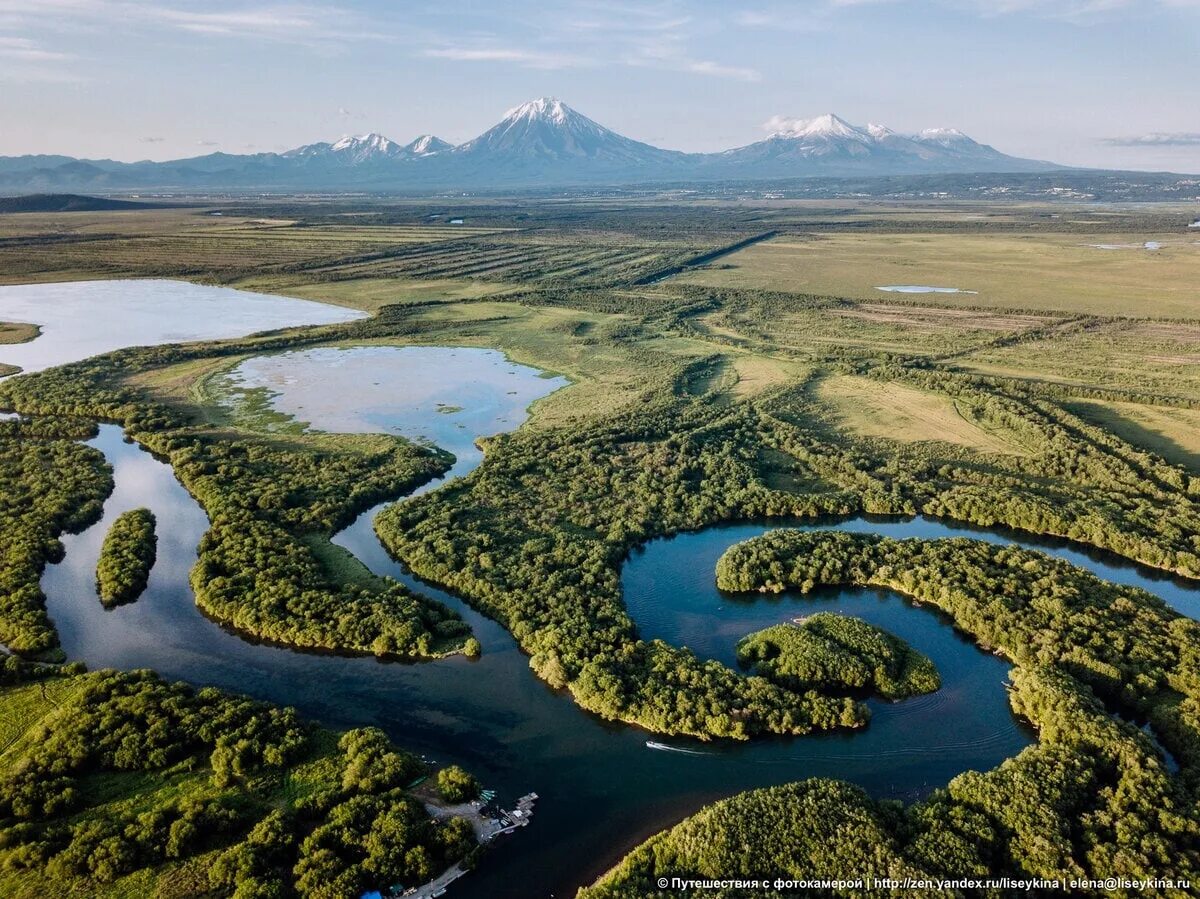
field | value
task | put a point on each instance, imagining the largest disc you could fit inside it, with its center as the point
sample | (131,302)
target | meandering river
(602,788)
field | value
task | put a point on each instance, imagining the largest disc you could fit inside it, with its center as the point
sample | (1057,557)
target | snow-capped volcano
(367,149)
(829,145)
(547,109)
(548,132)
(827,127)
(427,145)
(367,146)
(350,150)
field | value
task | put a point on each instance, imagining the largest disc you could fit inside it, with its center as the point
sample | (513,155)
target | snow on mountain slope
(427,145)
(830,145)
(351,149)
(547,130)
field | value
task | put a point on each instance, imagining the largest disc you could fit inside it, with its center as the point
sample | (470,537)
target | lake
(80,319)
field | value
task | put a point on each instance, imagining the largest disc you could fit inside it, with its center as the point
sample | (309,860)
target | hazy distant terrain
(541,143)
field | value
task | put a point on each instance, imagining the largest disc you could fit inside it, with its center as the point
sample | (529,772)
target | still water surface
(85,318)
(446,396)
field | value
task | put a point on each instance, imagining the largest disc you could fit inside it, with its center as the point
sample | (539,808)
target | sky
(1110,83)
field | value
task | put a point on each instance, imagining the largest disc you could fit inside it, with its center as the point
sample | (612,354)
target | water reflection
(446,396)
(85,318)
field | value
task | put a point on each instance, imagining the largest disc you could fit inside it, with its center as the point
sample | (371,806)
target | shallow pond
(1147,245)
(921,288)
(447,396)
(603,789)
(85,318)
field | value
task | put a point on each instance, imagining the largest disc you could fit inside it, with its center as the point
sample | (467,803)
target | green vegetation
(896,411)
(49,483)
(1171,432)
(1036,610)
(126,557)
(1092,799)
(827,651)
(15,332)
(125,784)
(456,785)
(536,536)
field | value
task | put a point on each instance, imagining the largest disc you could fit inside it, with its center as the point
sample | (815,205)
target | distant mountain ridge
(540,143)
(69,203)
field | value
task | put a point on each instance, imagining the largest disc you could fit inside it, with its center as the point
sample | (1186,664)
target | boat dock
(508,821)
(488,825)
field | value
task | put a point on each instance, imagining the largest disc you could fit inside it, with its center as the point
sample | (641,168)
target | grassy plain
(1144,357)
(370,294)
(15,332)
(894,411)
(23,709)
(1043,272)
(1050,308)
(1171,432)
(18,332)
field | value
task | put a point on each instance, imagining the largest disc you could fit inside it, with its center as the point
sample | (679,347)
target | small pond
(921,288)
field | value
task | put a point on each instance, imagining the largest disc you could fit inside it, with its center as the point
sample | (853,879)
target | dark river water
(602,788)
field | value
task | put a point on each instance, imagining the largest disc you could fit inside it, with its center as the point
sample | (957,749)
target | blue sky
(1092,82)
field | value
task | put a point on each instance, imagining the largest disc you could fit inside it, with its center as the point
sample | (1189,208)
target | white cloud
(592,33)
(26,50)
(24,60)
(820,14)
(315,25)
(708,67)
(525,58)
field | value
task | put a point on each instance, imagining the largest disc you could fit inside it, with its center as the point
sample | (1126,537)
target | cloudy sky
(1111,83)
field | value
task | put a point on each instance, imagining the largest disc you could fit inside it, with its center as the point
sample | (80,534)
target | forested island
(128,554)
(828,651)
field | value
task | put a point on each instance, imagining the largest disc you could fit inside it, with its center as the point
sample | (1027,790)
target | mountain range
(540,143)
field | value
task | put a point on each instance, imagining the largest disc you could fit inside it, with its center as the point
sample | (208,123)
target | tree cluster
(126,557)
(832,652)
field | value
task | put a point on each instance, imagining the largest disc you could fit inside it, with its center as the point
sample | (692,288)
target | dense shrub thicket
(48,484)
(130,772)
(828,651)
(129,550)
(265,498)
(456,785)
